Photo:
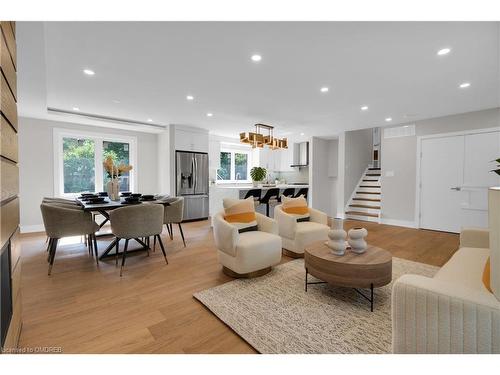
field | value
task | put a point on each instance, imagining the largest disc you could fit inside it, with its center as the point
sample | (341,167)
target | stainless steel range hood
(300,154)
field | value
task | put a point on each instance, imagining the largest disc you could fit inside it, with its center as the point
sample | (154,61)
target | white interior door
(441,175)
(455,176)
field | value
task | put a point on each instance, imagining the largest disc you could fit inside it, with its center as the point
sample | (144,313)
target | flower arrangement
(497,171)
(115,171)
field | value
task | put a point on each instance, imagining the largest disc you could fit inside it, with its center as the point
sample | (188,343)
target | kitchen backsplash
(300,175)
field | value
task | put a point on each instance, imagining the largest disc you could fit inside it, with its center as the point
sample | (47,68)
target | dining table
(103,209)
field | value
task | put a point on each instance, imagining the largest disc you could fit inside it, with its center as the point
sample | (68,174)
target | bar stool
(302,191)
(288,192)
(255,193)
(271,197)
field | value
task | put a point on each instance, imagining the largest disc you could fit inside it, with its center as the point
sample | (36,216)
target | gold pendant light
(258,139)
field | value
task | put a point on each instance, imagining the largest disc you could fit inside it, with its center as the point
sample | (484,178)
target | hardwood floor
(85,309)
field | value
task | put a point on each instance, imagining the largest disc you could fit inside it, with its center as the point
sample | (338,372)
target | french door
(455,174)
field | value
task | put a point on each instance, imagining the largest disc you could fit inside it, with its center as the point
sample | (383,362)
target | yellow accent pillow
(486,275)
(296,207)
(240,213)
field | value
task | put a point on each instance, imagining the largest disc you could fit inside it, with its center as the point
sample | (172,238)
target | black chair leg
(154,243)
(182,234)
(117,247)
(169,230)
(162,248)
(267,209)
(124,256)
(147,244)
(95,249)
(52,254)
(49,247)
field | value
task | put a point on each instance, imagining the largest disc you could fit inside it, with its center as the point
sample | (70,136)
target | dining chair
(270,198)
(68,203)
(133,222)
(174,212)
(62,221)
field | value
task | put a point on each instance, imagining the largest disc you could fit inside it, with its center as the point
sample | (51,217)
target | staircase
(365,200)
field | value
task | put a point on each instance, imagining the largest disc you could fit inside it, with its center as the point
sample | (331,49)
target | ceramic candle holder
(357,240)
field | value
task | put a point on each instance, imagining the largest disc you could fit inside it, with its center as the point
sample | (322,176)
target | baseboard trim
(32,228)
(399,223)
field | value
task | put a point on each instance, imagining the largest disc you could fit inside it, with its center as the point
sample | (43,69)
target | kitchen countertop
(250,186)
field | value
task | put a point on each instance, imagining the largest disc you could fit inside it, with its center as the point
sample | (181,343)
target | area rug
(274,314)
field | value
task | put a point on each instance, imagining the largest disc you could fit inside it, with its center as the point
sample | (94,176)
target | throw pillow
(296,207)
(240,213)
(486,275)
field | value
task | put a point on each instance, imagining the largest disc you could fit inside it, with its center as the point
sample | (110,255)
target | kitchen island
(238,191)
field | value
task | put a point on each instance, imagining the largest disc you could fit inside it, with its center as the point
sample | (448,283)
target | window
(78,161)
(235,163)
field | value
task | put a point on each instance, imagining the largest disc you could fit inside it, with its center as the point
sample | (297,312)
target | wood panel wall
(9,171)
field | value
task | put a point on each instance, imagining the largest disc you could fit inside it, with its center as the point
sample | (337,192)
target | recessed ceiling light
(324,89)
(256,58)
(88,72)
(464,85)
(76,109)
(301,133)
(444,51)
(209,114)
(364,108)
(190,97)
(150,120)
(388,119)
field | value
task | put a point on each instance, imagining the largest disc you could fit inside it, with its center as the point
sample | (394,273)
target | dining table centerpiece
(114,172)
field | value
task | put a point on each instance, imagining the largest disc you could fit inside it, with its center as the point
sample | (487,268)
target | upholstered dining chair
(72,204)
(143,220)
(63,221)
(174,212)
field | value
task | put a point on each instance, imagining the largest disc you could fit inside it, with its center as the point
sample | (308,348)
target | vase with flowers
(114,172)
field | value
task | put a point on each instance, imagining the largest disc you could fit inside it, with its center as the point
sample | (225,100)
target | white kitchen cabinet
(188,140)
(269,159)
(286,159)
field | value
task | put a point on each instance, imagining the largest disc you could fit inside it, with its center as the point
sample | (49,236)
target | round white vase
(357,240)
(336,241)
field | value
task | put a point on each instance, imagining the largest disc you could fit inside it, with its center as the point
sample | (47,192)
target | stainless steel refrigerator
(191,170)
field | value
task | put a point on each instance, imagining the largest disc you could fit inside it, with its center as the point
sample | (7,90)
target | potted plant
(258,174)
(113,172)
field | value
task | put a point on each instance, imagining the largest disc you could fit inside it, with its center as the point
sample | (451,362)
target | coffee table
(371,269)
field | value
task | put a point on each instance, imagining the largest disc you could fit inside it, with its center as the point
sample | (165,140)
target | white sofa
(297,235)
(452,312)
(247,254)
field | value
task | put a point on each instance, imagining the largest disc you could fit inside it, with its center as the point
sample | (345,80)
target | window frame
(98,139)
(236,150)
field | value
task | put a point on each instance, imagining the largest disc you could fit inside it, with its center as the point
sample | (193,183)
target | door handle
(457,188)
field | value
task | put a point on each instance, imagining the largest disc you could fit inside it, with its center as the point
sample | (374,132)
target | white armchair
(297,235)
(452,312)
(247,254)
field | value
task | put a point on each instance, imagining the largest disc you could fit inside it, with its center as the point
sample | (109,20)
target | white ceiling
(150,67)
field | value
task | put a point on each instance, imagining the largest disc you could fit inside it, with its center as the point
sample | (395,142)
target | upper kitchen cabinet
(190,139)
(286,159)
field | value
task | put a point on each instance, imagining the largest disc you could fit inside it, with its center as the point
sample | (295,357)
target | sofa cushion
(465,268)
(240,213)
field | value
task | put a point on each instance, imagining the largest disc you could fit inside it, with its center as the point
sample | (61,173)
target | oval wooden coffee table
(371,269)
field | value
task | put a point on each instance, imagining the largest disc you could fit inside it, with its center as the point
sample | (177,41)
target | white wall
(323,190)
(399,155)
(358,154)
(36,177)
